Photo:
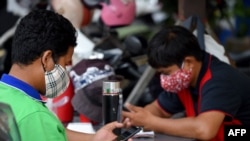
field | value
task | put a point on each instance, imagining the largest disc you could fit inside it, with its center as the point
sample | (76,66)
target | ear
(46,59)
(189,61)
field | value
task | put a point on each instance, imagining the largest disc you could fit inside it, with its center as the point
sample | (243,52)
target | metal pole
(140,86)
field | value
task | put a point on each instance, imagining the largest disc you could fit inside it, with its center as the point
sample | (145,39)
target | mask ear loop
(182,65)
(44,69)
(43,65)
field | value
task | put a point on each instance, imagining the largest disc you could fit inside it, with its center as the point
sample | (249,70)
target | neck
(28,74)
(20,72)
(196,71)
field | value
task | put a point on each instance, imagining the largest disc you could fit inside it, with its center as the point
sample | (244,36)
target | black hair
(171,45)
(39,31)
(3,4)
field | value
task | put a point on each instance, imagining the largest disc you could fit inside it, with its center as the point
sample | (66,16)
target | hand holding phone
(128,133)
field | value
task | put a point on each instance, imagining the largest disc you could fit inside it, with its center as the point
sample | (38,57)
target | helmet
(118,12)
(87,15)
(70,9)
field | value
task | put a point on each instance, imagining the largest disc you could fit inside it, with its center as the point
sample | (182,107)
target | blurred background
(228,20)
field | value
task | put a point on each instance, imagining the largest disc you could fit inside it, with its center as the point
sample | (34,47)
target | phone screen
(128,133)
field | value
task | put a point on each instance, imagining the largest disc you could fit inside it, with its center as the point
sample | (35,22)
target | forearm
(156,110)
(183,127)
(77,136)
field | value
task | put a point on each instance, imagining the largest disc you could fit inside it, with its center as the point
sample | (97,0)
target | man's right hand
(106,132)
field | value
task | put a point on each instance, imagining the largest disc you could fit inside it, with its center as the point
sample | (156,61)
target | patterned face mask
(56,81)
(177,81)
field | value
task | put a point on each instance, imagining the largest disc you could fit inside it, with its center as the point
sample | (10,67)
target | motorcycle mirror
(135,44)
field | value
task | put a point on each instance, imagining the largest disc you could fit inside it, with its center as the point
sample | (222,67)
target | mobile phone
(128,133)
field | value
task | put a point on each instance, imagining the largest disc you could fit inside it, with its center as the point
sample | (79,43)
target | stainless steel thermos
(111,102)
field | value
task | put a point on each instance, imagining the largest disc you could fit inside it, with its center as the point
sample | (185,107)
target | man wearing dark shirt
(212,93)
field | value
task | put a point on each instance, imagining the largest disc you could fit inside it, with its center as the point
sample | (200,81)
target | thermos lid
(111,87)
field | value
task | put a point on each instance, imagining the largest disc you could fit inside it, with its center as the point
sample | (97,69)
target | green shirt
(34,120)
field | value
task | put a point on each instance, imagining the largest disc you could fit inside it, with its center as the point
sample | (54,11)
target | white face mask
(56,81)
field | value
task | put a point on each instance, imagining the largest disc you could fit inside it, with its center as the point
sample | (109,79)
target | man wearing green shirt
(42,47)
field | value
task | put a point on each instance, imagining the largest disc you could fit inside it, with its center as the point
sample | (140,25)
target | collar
(205,65)
(18,84)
